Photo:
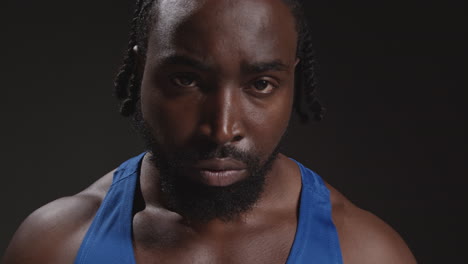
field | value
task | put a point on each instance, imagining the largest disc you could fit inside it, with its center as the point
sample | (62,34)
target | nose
(221,120)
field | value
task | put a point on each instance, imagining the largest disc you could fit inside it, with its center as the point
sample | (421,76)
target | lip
(219,172)
(224,164)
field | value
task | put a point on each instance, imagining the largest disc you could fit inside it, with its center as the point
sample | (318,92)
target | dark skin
(227,99)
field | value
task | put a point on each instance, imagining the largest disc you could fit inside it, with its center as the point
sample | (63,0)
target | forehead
(255,29)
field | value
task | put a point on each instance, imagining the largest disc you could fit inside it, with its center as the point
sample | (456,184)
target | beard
(198,202)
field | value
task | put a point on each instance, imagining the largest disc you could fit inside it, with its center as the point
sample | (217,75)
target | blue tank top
(109,238)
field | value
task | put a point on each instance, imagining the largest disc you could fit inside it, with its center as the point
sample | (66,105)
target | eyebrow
(249,68)
(187,61)
(260,67)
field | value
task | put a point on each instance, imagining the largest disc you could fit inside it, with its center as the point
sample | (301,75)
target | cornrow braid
(306,80)
(125,81)
(128,81)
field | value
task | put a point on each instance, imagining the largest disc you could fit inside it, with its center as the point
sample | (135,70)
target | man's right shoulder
(54,232)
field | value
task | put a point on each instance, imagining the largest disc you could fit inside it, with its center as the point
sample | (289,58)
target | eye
(185,80)
(263,86)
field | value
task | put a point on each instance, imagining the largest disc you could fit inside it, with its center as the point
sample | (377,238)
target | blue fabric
(316,238)
(109,238)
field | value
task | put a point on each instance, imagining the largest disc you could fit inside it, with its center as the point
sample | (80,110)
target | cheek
(268,123)
(172,121)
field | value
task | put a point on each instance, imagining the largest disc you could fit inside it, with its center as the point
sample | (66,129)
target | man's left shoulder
(365,238)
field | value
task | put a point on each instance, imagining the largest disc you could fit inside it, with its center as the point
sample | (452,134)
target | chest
(268,245)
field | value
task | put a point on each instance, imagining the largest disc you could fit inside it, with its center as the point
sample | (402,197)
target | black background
(391,75)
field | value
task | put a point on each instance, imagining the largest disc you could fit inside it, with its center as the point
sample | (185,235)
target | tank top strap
(316,239)
(109,238)
(313,183)
(127,168)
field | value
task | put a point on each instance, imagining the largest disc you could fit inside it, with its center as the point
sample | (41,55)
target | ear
(136,53)
(139,61)
(297,62)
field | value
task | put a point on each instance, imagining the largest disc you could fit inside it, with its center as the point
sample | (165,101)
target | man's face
(216,98)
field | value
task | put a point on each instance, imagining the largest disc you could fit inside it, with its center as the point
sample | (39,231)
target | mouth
(219,172)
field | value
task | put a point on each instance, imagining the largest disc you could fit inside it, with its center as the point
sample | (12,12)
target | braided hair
(128,81)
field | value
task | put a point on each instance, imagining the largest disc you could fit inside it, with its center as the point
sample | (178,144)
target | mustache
(185,158)
(217,153)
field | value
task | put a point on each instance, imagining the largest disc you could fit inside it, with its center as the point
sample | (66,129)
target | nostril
(237,138)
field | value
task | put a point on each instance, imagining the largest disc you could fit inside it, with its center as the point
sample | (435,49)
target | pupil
(261,85)
(185,81)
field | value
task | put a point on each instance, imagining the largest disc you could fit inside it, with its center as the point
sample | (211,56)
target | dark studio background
(390,74)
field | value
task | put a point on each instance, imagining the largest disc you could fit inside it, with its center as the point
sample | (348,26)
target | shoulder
(53,233)
(364,238)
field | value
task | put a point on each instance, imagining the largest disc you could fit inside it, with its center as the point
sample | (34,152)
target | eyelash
(195,82)
(268,83)
(175,79)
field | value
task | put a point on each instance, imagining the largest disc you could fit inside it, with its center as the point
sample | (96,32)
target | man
(211,86)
